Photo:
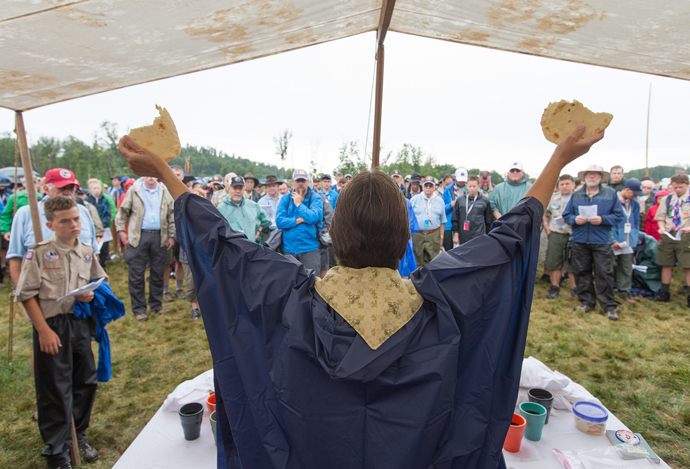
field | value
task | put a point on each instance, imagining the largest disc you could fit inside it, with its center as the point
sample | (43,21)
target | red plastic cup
(515,434)
(211,403)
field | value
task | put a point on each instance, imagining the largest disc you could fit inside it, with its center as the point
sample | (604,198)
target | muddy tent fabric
(55,50)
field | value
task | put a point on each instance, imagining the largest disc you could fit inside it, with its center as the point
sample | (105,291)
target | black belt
(151,231)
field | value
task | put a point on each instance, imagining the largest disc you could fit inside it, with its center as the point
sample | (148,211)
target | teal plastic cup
(535,415)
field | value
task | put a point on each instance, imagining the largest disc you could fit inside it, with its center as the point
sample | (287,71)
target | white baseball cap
(515,165)
(461,175)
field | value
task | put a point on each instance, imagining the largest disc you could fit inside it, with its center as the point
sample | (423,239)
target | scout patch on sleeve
(51,256)
(29,255)
(87,257)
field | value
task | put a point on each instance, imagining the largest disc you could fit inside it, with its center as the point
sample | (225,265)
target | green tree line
(100,159)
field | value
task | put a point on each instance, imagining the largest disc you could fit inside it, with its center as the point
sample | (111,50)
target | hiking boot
(196,313)
(168,297)
(663,296)
(88,453)
(612,314)
(583,308)
(628,301)
(141,317)
(161,311)
(180,294)
(553,292)
(546,278)
(572,293)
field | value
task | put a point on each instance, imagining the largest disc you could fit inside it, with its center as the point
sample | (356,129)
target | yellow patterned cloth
(375,301)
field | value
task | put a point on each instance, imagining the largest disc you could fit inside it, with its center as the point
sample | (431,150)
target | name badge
(466,226)
(628,228)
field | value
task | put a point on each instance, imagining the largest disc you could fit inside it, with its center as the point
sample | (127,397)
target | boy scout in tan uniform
(559,233)
(65,372)
(673,216)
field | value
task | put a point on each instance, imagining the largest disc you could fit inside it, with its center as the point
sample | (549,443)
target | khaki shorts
(555,254)
(671,251)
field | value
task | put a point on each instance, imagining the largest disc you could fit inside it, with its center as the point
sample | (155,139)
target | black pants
(104,256)
(447,240)
(149,249)
(596,256)
(65,386)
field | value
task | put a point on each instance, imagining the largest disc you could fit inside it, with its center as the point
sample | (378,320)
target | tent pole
(28,176)
(646,146)
(38,232)
(387,7)
(377,108)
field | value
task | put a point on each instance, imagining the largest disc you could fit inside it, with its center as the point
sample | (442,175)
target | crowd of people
(592,229)
(596,254)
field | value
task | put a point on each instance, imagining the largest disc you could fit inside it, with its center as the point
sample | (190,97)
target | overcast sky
(467,106)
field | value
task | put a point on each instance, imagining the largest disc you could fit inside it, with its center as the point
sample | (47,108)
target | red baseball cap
(60,177)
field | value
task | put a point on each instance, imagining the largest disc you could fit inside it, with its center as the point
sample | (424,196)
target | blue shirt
(631,212)
(23,231)
(451,193)
(298,239)
(268,202)
(152,208)
(430,213)
(332,196)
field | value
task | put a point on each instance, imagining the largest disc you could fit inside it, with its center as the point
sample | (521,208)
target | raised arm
(146,163)
(570,148)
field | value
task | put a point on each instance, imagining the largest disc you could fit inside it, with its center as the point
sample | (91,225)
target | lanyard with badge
(627,209)
(466,225)
(428,210)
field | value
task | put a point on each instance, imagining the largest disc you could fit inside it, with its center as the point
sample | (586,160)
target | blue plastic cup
(535,415)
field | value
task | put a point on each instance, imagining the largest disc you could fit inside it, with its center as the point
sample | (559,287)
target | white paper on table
(640,268)
(588,211)
(85,289)
(625,249)
(676,237)
(596,463)
(560,222)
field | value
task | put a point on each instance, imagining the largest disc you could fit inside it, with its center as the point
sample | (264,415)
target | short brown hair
(473,177)
(680,179)
(57,204)
(563,177)
(617,167)
(446,176)
(370,226)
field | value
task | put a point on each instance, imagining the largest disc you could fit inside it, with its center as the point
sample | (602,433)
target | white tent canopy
(56,50)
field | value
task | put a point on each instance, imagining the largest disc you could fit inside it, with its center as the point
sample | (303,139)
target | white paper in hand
(676,237)
(625,249)
(560,222)
(588,211)
(85,289)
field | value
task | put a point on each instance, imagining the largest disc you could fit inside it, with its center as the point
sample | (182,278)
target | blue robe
(299,388)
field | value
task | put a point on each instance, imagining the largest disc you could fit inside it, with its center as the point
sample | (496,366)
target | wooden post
(28,176)
(646,146)
(387,7)
(38,232)
(378,104)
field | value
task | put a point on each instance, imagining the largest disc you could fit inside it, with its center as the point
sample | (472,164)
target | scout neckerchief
(676,215)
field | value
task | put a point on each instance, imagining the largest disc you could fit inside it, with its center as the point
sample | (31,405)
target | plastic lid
(590,411)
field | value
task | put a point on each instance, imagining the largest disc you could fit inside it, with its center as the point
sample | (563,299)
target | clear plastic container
(590,418)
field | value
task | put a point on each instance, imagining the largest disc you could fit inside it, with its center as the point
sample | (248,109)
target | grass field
(639,367)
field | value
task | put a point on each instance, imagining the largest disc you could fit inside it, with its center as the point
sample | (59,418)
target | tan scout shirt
(661,214)
(52,269)
(555,210)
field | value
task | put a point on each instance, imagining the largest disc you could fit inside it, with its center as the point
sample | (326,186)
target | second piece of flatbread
(160,137)
(562,118)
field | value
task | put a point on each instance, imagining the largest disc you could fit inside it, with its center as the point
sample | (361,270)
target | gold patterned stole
(375,301)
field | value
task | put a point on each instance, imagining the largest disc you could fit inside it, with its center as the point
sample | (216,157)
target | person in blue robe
(363,369)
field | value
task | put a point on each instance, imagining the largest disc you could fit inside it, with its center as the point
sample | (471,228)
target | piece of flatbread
(562,118)
(160,137)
